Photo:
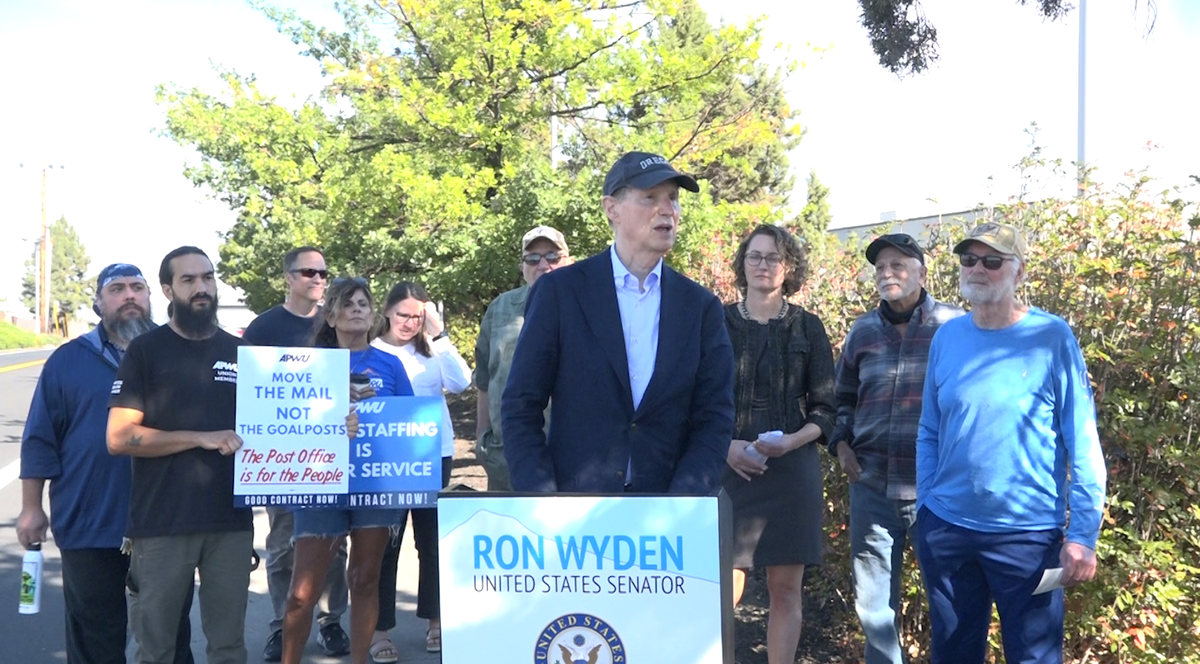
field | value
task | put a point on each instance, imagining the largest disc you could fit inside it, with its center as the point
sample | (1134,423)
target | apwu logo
(369,406)
(288,357)
(224,372)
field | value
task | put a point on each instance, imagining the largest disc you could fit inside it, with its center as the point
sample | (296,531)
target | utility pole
(45,322)
(1081,138)
(44,306)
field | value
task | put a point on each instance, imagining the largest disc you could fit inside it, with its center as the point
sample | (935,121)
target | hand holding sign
(226,442)
(352,423)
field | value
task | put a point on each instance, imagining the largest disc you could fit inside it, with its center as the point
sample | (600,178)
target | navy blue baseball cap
(643,170)
(114,271)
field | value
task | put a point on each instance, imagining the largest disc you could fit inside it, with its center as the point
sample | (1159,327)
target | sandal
(383,651)
(433,640)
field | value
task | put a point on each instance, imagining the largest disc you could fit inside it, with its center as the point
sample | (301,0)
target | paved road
(39,638)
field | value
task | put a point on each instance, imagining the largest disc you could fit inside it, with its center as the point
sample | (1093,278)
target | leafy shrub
(1120,264)
(12,337)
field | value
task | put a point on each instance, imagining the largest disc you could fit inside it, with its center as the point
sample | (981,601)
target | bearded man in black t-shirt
(291,324)
(173,409)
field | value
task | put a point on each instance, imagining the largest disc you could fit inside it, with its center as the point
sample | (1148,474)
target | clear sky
(79,94)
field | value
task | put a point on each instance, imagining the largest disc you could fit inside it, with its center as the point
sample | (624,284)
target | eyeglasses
(407,318)
(552,257)
(756,259)
(309,272)
(358,281)
(992,262)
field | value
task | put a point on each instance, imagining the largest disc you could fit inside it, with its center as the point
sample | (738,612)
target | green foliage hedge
(1120,265)
(13,337)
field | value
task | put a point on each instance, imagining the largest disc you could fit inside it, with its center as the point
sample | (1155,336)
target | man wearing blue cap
(64,443)
(632,356)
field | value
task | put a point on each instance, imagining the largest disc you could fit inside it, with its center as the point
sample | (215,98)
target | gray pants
(161,573)
(280,556)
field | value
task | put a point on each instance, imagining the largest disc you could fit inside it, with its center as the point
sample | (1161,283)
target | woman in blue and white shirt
(414,332)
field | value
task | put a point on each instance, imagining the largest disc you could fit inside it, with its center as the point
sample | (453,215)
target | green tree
(70,287)
(906,42)
(815,214)
(429,152)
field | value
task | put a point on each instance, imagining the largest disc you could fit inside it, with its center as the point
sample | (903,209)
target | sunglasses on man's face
(309,273)
(990,262)
(532,260)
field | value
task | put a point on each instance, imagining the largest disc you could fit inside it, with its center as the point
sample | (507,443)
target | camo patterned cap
(1001,237)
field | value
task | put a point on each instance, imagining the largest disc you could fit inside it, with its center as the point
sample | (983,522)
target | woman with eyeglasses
(414,332)
(783,403)
(346,322)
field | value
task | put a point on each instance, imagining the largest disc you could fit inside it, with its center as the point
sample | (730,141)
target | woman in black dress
(783,400)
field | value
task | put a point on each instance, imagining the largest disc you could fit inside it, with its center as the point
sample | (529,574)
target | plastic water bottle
(31,579)
(755,455)
(771,436)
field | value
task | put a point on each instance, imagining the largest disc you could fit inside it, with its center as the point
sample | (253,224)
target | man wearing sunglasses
(543,249)
(291,324)
(632,356)
(1007,447)
(880,377)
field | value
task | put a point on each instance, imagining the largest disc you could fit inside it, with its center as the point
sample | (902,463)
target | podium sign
(585,579)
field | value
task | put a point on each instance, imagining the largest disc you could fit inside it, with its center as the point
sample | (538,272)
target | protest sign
(396,461)
(291,415)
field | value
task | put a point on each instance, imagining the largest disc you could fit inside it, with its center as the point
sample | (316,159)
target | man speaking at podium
(632,356)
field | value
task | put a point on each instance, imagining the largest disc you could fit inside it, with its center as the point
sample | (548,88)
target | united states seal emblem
(579,638)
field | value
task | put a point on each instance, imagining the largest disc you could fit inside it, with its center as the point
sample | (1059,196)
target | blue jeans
(331,522)
(965,570)
(879,528)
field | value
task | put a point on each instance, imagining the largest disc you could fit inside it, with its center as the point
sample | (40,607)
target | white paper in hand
(1051,580)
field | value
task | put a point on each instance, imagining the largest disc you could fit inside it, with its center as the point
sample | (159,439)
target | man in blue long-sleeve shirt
(1006,447)
(64,445)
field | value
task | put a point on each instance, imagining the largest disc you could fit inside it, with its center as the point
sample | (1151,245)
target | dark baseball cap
(643,170)
(902,242)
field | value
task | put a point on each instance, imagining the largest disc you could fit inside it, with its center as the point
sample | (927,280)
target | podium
(585,578)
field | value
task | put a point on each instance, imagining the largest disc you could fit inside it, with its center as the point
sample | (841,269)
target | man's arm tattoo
(134,441)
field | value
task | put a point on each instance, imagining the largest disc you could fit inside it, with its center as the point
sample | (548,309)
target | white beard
(978,294)
(904,293)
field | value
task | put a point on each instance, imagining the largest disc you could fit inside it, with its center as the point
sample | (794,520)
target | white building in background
(917,227)
(232,313)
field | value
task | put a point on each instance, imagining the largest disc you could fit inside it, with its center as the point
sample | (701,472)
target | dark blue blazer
(571,353)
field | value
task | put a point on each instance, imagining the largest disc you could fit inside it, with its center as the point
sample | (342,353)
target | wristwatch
(441,335)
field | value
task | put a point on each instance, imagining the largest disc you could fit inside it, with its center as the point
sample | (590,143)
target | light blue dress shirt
(639,322)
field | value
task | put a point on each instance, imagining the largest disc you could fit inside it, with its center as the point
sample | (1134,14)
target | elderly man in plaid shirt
(880,378)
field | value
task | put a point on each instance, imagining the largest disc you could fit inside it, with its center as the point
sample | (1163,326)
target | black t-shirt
(182,385)
(279,327)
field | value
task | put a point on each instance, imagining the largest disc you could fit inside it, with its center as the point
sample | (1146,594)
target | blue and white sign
(396,461)
(291,415)
(596,579)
